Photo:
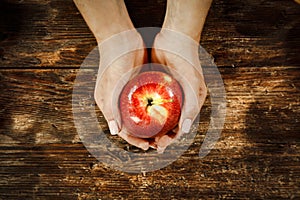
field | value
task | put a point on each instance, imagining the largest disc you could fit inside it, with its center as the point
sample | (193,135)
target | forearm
(187,16)
(104,17)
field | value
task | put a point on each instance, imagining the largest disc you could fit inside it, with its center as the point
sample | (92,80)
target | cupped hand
(179,53)
(119,54)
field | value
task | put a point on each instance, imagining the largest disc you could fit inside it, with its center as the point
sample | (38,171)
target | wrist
(175,40)
(170,46)
(181,24)
(188,31)
(187,17)
(102,34)
(119,45)
(105,17)
(129,39)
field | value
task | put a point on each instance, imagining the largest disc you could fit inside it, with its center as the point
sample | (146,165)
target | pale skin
(108,17)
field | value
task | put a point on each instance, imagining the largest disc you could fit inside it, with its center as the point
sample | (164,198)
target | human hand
(120,54)
(97,13)
(179,53)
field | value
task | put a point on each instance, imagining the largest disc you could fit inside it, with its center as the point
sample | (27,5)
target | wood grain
(255,45)
(52,34)
(42,157)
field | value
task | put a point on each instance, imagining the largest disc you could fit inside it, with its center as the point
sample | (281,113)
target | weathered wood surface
(42,44)
(43,33)
(257,156)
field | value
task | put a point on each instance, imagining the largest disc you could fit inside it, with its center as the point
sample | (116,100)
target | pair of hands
(126,52)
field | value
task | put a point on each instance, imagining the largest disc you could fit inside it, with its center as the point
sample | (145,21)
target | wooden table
(256,47)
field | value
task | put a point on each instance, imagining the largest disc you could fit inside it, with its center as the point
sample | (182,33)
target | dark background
(255,45)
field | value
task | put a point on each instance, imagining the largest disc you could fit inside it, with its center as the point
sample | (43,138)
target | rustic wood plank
(53,34)
(253,33)
(41,156)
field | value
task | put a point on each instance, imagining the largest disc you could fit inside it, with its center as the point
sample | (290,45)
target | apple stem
(150,101)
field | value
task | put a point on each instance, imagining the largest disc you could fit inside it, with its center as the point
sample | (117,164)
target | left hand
(180,53)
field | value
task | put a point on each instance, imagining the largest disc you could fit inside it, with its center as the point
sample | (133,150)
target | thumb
(108,105)
(112,118)
(193,100)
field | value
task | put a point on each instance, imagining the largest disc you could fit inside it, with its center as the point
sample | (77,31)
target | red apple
(150,104)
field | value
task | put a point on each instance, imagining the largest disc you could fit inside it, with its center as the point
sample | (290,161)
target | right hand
(118,55)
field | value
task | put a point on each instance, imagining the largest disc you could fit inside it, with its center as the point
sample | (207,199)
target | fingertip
(186,125)
(163,142)
(144,146)
(160,150)
(138,142)
(113,127)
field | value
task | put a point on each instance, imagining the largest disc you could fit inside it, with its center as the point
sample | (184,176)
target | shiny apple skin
(150,104)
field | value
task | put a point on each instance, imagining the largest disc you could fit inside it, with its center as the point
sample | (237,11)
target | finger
(194,96)
(186,119)
(163,142)
(166,140)
(189,111)
(113,127)
(138,142)
(153,144)
(110,112)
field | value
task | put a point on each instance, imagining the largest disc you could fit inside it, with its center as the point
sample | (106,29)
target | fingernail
(160,150)
(144,146)
(113,127)
(186,125)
